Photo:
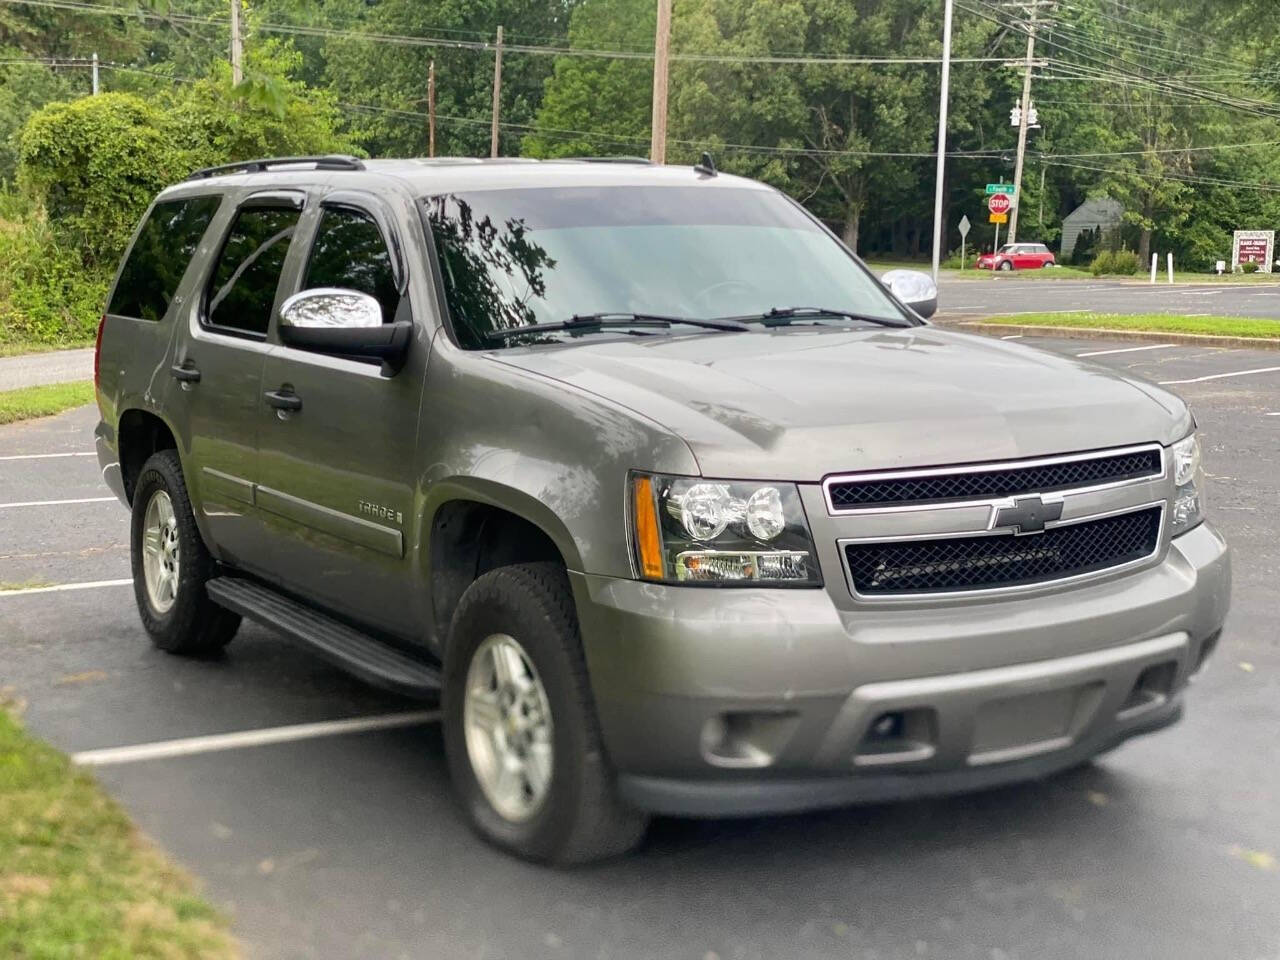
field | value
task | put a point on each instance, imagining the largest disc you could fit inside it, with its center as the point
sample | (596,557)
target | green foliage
(94,164)
(608,98)
(1116,263)
(90,167)
(46,293)
(1249,267)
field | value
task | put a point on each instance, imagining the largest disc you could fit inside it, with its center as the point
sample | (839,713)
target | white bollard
(1171,268)
(1155,262)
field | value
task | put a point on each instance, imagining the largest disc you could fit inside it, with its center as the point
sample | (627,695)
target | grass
(43,401)
(76,878)
(21,348)
(31,584)
(1073,273)
(1156,322)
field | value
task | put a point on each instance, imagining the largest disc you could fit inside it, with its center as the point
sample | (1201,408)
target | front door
(337,487)
(218,366)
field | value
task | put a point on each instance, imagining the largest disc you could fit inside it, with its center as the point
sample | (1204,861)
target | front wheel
(1006,265)
(171,565)
(524,747)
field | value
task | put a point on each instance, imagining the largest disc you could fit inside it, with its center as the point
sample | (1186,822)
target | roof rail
(643,160)
(332,161)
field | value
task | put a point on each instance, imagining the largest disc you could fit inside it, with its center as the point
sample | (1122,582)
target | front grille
(852,493)
(1002,560)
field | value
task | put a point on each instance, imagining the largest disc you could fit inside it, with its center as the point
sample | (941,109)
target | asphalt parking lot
(987,296)
(341,843)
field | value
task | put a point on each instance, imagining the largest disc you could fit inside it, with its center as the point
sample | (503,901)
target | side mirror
(917,290)
(346,323)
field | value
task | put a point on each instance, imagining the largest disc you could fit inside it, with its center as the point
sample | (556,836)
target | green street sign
(999,188)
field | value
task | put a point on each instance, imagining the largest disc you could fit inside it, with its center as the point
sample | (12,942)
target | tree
(610,99)
(395,76)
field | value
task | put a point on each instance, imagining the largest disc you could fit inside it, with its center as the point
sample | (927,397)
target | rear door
(338,473)
(218,368)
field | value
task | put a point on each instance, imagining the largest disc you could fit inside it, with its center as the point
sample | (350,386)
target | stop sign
(999,203)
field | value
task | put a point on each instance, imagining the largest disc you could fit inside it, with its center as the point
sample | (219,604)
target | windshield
(511,258)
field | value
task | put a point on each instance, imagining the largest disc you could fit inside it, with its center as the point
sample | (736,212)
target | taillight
(97,354)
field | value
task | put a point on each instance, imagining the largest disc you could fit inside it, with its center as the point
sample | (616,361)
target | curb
(1087,333)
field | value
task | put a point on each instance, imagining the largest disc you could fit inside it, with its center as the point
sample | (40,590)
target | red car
(1017,256)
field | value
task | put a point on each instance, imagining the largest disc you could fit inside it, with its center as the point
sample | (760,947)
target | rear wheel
(524,747)
(1046,265)
(171,565)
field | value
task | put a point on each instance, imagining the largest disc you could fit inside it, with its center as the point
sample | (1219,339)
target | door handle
(184,373)
(283,400)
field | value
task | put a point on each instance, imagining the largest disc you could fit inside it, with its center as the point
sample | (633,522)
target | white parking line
(1220,376)
(1103,353)
(45,456)
(1012,336)
(54,503)
(190,746)
(62,587)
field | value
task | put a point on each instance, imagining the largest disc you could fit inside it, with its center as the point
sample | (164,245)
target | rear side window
(243,287)
(349,252)
(160,256)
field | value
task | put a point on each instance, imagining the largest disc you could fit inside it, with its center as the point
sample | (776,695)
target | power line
(488,46)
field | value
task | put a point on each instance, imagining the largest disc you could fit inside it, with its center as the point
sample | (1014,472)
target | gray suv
(676,507)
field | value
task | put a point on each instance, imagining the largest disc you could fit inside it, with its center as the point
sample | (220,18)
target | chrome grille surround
(1033,468)
(938,520)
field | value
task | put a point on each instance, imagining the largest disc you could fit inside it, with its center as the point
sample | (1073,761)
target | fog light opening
(1153,688)
(747,739)
(898,736)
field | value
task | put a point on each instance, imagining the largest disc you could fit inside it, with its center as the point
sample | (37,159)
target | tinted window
(160,256)
(243,287)
(349,252)
(516,257)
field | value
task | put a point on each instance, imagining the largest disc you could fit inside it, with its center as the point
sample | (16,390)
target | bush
(1118,263)
(94,164)
(88,169)
(1248,267)
(46,294)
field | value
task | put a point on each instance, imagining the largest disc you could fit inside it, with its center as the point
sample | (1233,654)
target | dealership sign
(1254,246)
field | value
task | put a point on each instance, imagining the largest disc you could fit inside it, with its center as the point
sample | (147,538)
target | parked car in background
(1017,256)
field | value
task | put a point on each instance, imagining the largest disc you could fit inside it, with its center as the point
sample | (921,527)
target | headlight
(690,530)
(1188,479)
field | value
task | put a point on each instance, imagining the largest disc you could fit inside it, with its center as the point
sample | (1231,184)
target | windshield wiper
(591,322)
(781,316)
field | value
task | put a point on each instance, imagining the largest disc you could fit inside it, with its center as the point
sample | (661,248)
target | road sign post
(964,235)
(998,202)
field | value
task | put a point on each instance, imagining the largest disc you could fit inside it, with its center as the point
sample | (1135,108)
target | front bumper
(717,702)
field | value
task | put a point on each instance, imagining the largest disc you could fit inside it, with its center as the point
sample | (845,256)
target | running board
(357,653)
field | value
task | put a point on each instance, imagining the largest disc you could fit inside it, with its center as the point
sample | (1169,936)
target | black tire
(1006,265)
(194,625)
(1047,264)
(581,818)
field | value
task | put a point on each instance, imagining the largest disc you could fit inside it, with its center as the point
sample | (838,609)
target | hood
(800,403)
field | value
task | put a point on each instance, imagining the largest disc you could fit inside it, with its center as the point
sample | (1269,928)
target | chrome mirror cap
(917,290)
(331,308)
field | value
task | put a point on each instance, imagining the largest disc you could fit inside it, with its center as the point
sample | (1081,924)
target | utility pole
(942,137)
(497,95)
(431,110)
(1024,119)
(237,48)
(95,74)
(661,53)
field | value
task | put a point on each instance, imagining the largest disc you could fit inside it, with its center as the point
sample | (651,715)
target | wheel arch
(140,433)
(473,526)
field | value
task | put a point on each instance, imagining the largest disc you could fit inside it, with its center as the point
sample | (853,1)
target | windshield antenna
(706,166)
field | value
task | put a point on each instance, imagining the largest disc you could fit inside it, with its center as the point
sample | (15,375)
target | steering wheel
(706,297)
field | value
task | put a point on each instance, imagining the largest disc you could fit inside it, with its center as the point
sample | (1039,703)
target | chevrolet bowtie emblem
(1028,514)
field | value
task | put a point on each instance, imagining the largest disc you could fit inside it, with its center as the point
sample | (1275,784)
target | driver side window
(349,253)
